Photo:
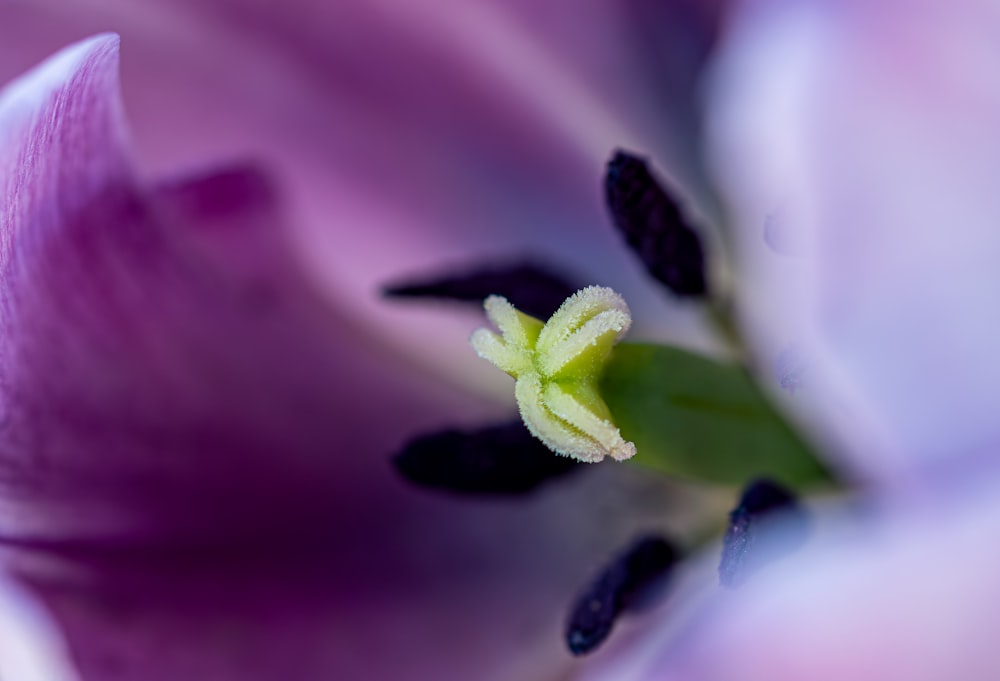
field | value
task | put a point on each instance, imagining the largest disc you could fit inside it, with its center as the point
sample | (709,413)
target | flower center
(556,367)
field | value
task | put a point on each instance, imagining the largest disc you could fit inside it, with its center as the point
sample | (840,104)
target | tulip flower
(195,482)
(857,150)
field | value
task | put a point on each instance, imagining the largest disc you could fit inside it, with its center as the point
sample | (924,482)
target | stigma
(556,366)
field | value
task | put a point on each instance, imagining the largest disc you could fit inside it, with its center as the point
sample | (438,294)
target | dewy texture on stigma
(556,367)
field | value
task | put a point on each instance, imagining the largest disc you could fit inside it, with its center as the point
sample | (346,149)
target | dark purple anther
(498,460)
(620,586)
(531,288)
(653,226)
(748,543)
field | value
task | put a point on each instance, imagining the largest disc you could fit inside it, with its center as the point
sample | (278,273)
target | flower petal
(450,591)
(162,354)
(872,129)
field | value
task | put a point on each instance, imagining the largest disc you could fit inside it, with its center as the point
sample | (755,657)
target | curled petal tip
(70,67)
(62,137)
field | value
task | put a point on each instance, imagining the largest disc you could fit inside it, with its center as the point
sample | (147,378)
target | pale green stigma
(556,367)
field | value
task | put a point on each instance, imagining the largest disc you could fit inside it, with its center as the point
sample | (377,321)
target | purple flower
(199,388)
(874,127)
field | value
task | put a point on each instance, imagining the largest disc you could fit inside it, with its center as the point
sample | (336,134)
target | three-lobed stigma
(556,366)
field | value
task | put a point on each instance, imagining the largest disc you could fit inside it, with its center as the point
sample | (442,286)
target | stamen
(498,460)
(752,539)
(537,290)
(622,585)
(556,368)
(653,225)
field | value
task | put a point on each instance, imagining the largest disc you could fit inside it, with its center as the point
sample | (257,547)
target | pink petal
(873,127)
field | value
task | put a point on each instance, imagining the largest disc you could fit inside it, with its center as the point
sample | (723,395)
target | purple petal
(444,591)
(874,126)
(781,236)
(162,354)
